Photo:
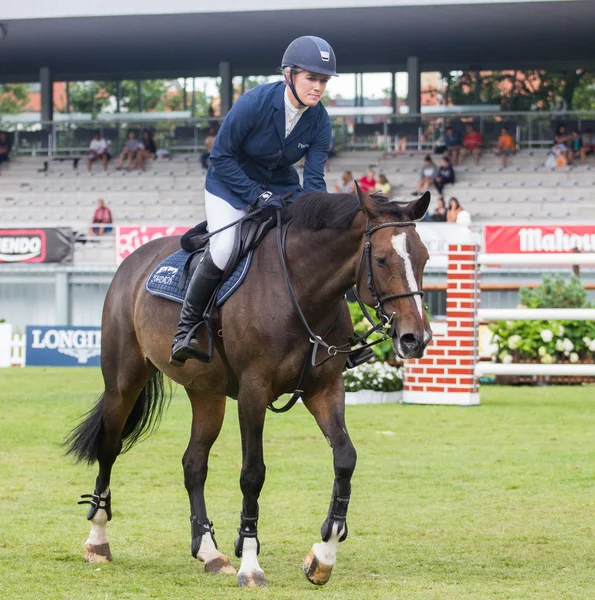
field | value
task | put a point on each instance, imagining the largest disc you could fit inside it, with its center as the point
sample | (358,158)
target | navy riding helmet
(312,54)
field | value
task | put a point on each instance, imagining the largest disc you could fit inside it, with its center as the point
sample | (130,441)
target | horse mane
(321,210)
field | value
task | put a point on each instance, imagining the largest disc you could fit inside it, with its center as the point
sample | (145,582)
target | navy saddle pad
(164,281)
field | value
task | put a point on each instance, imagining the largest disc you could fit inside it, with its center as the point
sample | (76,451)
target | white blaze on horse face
(399,243)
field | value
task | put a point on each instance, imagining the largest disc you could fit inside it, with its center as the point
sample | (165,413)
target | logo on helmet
(325,56)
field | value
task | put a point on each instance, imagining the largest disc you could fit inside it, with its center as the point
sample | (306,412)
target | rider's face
(309,87)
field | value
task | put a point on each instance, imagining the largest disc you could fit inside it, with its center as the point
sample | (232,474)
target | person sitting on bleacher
(444,175)
(101,216)
(347,184)
(4,147)
(130,149)
(383,186)
(368,181)
(561,146)
(588,146)
(472,143)
(452,142)
(454,209)
(506,147)
(439,214)
(575,146)
(427,176)
(98,150)
(147,151)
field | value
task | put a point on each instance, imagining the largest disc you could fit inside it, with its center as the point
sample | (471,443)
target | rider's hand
(269,203)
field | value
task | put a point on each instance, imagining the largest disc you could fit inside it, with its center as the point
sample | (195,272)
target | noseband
(366,258)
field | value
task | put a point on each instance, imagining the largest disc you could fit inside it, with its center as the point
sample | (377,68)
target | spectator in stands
(575,146)
(382,185)
(130,149)
(588,146)
(454,209)
(347,184)
(452,141)
(146,151)
(368,181)
(439,215)
(472,143)
(206,155)
(4,147)
(427,176)
(561,146)
(102,216)
(506,147)
(98,150)
(444,175)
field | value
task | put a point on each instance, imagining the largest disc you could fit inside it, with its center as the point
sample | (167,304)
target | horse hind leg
(208,413)
(130,406)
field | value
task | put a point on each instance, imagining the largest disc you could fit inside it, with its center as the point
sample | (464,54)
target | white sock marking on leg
(249,557)
(399,243)
(207,551)
(326,552)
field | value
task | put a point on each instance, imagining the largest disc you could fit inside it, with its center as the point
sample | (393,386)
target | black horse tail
(83,441)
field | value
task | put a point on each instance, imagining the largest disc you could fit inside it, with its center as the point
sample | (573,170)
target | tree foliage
(14,98)
(522,90)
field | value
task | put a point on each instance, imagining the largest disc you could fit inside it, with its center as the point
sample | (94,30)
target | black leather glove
(269,203)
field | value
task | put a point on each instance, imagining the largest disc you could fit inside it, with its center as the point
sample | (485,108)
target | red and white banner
(538,239)
(128,238)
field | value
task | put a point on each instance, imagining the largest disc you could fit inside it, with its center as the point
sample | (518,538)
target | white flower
(510,324)
(592,346)
(547,359)
(507,359)
(568,345)
(513,341)
(560,345)
(560,331)
(547,336)
(573,357)
(542,351)
(587,341)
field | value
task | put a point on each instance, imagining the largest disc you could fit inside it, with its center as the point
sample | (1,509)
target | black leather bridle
(366,258)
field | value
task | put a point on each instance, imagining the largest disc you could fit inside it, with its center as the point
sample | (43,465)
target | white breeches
(221,213)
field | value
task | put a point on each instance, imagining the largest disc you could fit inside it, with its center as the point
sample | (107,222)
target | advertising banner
(129,238)
(53,245)
(437,236)
(538,239)
(56,346)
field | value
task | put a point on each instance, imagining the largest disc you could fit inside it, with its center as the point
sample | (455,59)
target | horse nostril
(409,340)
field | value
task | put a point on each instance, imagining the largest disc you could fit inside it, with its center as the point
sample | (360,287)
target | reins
(359,342)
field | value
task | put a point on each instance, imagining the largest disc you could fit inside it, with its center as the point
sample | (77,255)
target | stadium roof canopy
(190,38)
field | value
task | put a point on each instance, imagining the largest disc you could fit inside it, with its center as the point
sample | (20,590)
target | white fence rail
(579,258)
(535,314)
(487,368)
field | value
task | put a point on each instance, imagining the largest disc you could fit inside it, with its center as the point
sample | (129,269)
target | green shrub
(555,292)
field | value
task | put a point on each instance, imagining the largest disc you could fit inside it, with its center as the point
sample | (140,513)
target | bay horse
(261,349)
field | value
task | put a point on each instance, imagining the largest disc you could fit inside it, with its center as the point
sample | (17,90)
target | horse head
(390,274)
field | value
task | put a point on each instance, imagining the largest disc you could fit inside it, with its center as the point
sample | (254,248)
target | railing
(388,133)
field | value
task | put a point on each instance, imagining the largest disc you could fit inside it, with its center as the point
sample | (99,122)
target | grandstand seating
(172,192)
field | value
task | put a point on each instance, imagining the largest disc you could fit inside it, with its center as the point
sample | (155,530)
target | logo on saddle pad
(51,346)
(165,275)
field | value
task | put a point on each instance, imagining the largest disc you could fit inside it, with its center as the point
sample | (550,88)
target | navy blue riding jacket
(251,154)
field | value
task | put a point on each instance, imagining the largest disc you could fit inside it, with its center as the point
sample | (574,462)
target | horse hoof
(220,566)
(316,572)
(252,579)
(97,553)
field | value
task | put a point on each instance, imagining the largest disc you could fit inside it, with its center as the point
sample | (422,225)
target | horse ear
(418,208)
(365,203)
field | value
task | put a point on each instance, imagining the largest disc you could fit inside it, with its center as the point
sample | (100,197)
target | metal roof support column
(414,86)
(393,92)
(226,87)
(47,94)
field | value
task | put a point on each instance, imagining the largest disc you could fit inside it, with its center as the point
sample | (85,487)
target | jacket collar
(279,105)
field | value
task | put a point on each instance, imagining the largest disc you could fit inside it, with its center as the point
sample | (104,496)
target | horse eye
(380,261)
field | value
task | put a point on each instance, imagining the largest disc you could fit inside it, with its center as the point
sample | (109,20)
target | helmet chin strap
(292,87)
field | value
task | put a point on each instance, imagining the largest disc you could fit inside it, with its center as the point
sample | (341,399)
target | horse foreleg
(253,399)
(327,405)
(207,417)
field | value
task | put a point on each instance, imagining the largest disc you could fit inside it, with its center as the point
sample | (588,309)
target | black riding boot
(202,285)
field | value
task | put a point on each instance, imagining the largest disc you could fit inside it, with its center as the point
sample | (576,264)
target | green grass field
(494,501)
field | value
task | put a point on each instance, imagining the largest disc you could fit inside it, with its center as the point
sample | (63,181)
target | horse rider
(267,131)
